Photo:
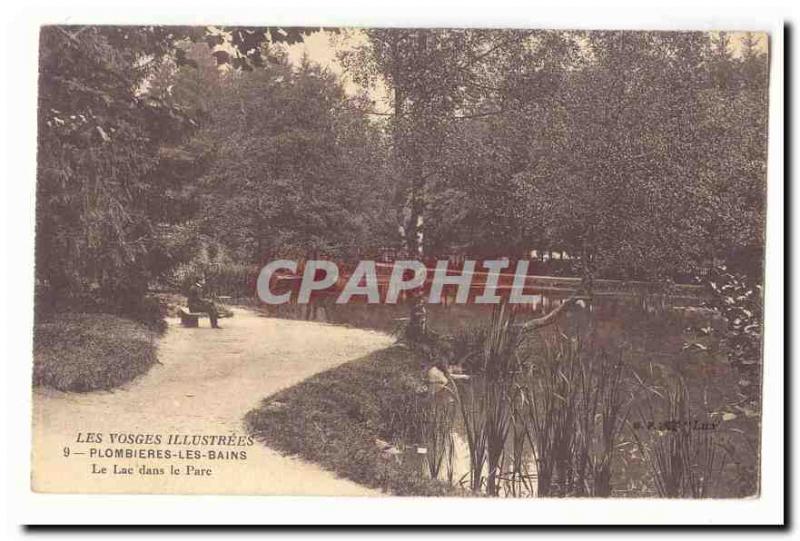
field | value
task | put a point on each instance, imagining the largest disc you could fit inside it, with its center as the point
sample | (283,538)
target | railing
(553,287)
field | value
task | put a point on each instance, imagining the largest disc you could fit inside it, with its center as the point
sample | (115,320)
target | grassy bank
(335,418)
(87,352)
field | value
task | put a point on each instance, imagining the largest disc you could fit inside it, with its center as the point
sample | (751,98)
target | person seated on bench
(198,304)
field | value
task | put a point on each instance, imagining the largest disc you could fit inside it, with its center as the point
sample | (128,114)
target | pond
(649,337)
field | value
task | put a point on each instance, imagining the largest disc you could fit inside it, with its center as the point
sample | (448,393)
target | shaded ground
(206,382)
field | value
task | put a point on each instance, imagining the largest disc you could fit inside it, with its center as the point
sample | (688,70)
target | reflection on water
(460,467)
(516,474)
(448,317)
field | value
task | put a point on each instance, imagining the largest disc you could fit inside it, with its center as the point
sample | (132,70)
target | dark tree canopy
(109,166)
(643,154)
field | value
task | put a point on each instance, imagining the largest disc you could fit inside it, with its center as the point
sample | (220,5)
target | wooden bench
(192,319)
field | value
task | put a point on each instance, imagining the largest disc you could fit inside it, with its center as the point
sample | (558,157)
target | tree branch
(550,318)
(478,115)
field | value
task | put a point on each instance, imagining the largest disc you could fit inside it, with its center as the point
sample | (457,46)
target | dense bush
(738,299)
(217,272)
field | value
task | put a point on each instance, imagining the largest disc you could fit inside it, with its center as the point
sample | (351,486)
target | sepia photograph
(440,262)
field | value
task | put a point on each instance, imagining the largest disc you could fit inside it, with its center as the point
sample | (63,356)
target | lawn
(334,419)
(85,352)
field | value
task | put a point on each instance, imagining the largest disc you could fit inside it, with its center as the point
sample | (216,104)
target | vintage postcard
(439,262)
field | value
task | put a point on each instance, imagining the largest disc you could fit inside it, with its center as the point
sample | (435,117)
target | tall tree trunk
(415,239)
(413,216)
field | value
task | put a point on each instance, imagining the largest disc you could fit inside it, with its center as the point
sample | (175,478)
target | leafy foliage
(112,161)
(643,152)
(739,301)
(296,171)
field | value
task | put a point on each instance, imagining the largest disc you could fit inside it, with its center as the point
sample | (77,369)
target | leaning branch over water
(551,317)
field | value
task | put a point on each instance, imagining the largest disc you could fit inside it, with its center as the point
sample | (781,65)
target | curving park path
(206,382)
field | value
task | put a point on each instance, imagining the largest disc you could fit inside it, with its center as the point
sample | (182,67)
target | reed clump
(547,425)
(552,421)
(684,456)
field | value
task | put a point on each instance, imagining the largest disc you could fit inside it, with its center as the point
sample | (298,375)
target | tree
(297,170)
(103,205)
(645,174)
(434,77)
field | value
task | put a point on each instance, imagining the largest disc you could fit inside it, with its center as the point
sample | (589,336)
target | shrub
(738,299)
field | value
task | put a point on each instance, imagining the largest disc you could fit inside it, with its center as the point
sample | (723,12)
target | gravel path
(206,382)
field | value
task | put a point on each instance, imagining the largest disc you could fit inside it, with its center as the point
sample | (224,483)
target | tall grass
(498,421)
(486,404)
(436,419)
(685,461)
(551,396)
(564,407)
(601,419)
(575,415)
(519,480)
(552,422)
(473,408)
(501,345)
(501,364)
